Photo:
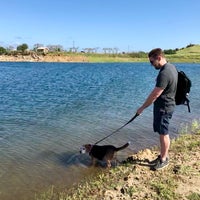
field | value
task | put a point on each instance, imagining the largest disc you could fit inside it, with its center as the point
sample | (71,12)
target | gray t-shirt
(167,79)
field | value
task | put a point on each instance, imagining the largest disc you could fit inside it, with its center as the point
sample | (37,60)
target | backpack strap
(188,103)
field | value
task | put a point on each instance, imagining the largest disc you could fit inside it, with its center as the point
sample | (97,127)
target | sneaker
(155,161)
(161,164)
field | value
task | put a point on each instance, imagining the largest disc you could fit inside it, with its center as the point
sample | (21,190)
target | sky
(129,25)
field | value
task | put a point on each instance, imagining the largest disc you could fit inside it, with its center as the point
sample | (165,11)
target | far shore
(189,54)
(85,58)
(42,58)
(79,58)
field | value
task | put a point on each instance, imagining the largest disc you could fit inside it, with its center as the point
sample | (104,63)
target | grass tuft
(194,196)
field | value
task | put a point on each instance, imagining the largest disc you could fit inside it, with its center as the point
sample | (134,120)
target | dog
(103,153)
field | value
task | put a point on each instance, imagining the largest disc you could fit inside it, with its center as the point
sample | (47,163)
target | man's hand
(140,110)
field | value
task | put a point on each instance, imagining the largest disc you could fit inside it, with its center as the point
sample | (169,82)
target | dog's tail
(123,147)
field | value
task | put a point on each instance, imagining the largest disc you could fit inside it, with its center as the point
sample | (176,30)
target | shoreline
(134,179)
(42,58)
(69,58)
(84,58)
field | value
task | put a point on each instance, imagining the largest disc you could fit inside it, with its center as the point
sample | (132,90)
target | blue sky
(129,25)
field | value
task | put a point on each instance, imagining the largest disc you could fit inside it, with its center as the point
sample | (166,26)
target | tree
(35,46)
(190,45)
(55,48)
(2,50)
(22,47)
(170,51)
(10,48)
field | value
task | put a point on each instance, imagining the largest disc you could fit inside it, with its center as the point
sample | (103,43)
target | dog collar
(91,148)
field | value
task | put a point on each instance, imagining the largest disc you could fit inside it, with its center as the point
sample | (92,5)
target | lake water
(48,110)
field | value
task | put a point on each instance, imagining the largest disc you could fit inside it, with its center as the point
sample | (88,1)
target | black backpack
(183,89)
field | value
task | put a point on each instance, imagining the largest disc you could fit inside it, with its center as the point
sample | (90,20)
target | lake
(48,110)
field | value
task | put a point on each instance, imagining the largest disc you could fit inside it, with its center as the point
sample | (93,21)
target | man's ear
(159,58)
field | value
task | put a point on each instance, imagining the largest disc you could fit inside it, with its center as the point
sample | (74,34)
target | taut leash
(119,128)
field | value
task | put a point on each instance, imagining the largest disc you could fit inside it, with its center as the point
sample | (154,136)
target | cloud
(18,38)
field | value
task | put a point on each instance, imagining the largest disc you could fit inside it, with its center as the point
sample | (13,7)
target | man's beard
(156,67)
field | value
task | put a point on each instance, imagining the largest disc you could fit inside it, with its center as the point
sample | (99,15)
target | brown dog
(103,153)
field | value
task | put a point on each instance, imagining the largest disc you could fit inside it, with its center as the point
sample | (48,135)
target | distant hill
(188,54)
(189,50)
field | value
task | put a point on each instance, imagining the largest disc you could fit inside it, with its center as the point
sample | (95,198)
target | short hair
(156,52)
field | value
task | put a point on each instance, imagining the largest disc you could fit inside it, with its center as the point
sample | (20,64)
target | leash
(136,115)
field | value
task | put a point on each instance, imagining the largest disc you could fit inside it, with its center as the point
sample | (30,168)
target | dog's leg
(93,161)
(108,163)
(116,162)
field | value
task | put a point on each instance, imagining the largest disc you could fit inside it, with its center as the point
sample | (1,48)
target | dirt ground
(42,58)
(184,171)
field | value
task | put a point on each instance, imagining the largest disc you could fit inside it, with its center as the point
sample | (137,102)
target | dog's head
(85,148)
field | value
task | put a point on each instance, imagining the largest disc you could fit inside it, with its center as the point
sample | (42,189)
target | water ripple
(49,110)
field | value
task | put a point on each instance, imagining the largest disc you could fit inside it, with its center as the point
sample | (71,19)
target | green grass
(188,55)
(193,196)
(165,188)
(190,50)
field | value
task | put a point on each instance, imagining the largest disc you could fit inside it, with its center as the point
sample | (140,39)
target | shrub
(170,51)
(2,50)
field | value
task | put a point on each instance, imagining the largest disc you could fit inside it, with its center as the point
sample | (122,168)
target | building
(42,50)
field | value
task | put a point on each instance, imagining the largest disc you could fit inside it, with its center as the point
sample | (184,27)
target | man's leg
(164,146)
(161,125)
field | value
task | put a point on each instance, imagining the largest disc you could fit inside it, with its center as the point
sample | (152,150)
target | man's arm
(157,91)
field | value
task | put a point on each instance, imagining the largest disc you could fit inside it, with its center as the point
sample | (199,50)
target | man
(163,98)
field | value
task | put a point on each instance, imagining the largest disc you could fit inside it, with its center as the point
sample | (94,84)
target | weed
(165,189)
(131,190)
(194,196)
(195,127)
